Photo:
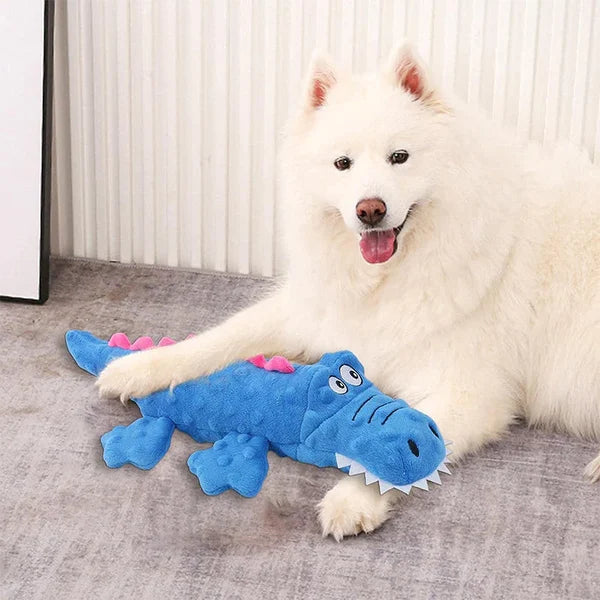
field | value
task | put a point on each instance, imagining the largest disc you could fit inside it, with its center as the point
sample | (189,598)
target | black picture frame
(46,166)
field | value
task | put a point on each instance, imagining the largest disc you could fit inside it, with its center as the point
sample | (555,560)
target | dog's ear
(322,76)
(405,69)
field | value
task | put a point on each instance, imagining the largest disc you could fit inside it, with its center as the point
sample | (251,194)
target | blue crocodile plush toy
(326,414)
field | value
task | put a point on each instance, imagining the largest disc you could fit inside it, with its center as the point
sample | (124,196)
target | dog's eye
(349,375)
(337,385)
(398,157)
(343,163)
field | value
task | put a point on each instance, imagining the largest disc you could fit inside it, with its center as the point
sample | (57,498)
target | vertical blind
(168,112)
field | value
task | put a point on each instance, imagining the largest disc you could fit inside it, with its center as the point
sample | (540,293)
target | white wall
(167,111)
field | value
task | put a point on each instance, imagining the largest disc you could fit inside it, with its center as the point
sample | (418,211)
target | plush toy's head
(370,432)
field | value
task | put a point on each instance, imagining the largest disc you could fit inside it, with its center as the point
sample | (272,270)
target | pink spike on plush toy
(258,361)
(142,343)
(166,341)
(277,363)
(120,340)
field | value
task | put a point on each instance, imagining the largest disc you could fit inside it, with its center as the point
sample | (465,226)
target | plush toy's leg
(238,461)
(143,443)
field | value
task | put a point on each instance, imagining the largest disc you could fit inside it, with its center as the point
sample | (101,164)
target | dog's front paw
(135,376)
(351,508)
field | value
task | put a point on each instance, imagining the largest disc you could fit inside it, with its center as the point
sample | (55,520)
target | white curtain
(167,112)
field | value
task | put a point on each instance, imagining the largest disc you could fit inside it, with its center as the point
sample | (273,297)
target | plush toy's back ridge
(277,363)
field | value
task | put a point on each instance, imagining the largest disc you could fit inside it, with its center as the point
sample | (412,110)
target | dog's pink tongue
(377,246)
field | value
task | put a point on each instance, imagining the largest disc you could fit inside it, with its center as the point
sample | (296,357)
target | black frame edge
(46,191)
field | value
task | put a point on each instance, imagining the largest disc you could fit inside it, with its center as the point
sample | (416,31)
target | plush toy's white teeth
(342,461)
(422,484)
(448,451)
(370,478)
(434,478)
(356,468)
(384,486)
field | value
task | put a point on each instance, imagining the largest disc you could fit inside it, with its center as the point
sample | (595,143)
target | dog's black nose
(371,211)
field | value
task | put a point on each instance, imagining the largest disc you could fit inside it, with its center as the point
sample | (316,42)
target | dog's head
(365,149)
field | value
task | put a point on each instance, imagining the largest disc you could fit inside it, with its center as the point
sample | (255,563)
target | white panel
(501,61)
(62,187)
(119,27)
(92,217)
(76,126)
(554,70)
(475,60)
(165,122)
(582,59)
(425,30)
(344,28)
(268,137)
(450,36)
(110,146)
(143,39)
(214,156)
(527,67)
(21,70)
(142,199)
(399,21)
(190,126)
(373,34)
(591,127)
(321,19)
(96,85)
(168,113)
(240,137)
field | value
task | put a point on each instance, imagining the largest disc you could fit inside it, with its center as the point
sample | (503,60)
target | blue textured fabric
(143,443)
(238,462)
(325,414)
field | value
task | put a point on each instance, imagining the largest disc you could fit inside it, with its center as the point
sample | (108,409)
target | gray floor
(517,521)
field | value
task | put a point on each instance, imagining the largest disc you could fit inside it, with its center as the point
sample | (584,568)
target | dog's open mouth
(379,245)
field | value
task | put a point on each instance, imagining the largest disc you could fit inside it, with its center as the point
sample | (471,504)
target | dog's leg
(262,328)
(468,419)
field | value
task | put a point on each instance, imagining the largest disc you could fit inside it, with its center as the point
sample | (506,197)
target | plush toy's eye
(337,385)
(349,375)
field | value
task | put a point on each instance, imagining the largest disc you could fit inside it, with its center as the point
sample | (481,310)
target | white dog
(462,268)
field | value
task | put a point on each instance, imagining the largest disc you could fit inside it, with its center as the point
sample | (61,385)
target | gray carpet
(517,521)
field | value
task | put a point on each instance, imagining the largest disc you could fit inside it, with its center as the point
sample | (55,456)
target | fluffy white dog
(462,268)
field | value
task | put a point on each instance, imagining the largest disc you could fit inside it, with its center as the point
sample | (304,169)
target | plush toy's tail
(91,353)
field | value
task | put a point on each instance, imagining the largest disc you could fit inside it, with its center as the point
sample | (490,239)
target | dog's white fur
(490,308)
